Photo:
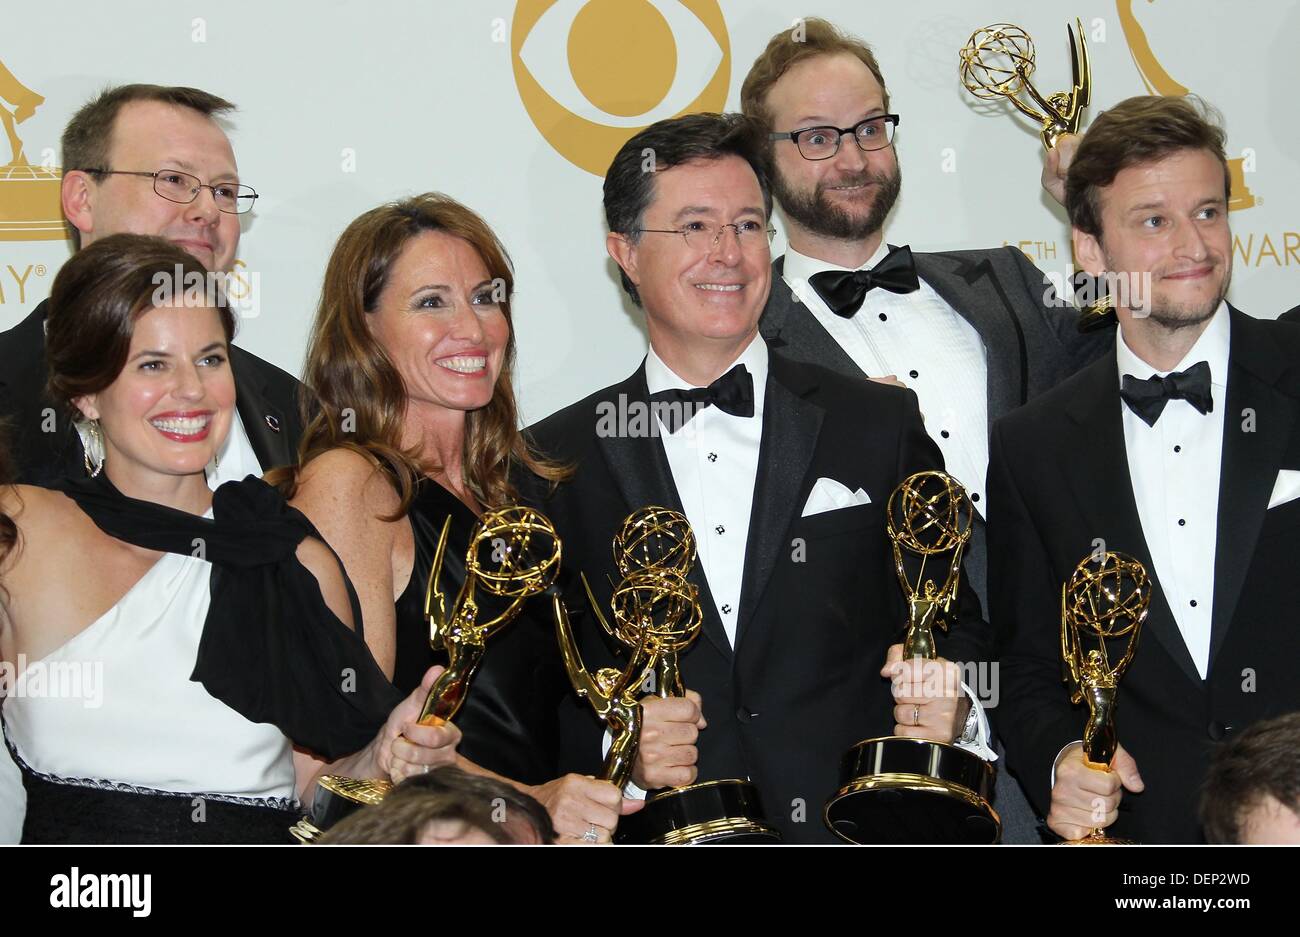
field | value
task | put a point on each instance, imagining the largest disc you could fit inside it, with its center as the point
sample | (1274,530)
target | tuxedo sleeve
(1061,317)
(1033,716)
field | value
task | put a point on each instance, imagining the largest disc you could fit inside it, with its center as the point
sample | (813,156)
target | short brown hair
(811,36)
(88,138)
(481,803)
(95,300)
(1262,761)
(1142,129)
(348,370)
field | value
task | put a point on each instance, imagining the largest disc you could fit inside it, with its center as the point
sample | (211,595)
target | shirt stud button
(720,529)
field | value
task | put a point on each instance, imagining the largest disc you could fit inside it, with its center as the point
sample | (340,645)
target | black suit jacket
(1031,341)
(45,446)
(1291,315)
(1058,481)
(820,601)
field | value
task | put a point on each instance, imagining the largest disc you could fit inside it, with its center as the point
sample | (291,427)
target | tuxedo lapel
(790,328)
(266,425)
(1099,478)
(1257,424)
(640,469)
(791,425)
(975,293)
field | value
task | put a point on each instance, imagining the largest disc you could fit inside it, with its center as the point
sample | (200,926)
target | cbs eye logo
(591,73)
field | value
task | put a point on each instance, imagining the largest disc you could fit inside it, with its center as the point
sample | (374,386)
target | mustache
(859,178)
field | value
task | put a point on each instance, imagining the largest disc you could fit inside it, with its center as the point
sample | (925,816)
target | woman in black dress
(410,362)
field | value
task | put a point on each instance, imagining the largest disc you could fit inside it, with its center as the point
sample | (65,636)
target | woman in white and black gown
(187,663)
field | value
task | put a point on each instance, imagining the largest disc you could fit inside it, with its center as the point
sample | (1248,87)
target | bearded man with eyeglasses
(976,333)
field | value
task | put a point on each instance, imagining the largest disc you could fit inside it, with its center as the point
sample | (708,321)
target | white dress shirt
(930,347)
(714,462)
(236,458)
(1174,467)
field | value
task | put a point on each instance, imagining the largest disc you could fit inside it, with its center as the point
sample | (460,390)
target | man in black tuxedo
(1180,448)
(975,333)
(115,151)
(783,470)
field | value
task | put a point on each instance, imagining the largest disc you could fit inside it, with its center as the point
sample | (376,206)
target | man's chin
(1176,316)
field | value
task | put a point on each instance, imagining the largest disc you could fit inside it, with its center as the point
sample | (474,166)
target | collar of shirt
(799,267)
(1211,347)
(658,376)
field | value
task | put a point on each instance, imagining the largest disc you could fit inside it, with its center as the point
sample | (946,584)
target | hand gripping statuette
(513,554)
(907,790)
(657,616)
(1105,600)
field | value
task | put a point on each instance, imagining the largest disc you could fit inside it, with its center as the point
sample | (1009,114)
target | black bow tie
(844,290)
(732,393)
(1148,398)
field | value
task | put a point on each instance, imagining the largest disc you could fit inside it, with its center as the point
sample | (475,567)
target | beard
(815,211)
(1175,316)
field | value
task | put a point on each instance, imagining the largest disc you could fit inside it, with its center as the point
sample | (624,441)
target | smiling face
(440,320)
(1168,220)
(149,136)
(701,294)
(848,196)
(170,408)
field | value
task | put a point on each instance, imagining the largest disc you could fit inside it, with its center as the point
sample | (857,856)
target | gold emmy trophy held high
(996,62)
(906,790)
(657,616)
(513,554)
(1105,600)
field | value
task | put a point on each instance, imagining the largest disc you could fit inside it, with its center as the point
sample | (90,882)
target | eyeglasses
(183,188)
(704,235)
(874,133)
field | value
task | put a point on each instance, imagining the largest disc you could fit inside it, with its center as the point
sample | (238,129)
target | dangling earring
(213,465)
(92,444)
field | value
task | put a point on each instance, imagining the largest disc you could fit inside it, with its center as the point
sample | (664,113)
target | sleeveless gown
(112,713)
(169,718)
(510,717)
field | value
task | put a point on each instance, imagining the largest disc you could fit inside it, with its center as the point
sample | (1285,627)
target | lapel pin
(273,423)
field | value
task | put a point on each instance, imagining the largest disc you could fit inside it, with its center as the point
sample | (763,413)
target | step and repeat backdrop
(515,109)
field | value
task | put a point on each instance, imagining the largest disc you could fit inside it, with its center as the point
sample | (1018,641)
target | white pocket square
(830,495)
(1286,488)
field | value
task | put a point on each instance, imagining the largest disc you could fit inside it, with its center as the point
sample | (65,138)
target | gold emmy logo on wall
(591,74)
(29,195)
(1159,81)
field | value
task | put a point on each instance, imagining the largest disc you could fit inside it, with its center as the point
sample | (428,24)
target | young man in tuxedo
(1179,448)
(975,333)
(783,470)
(122,153)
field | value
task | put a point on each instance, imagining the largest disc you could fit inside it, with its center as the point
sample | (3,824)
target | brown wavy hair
(351,379)
(810,36)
